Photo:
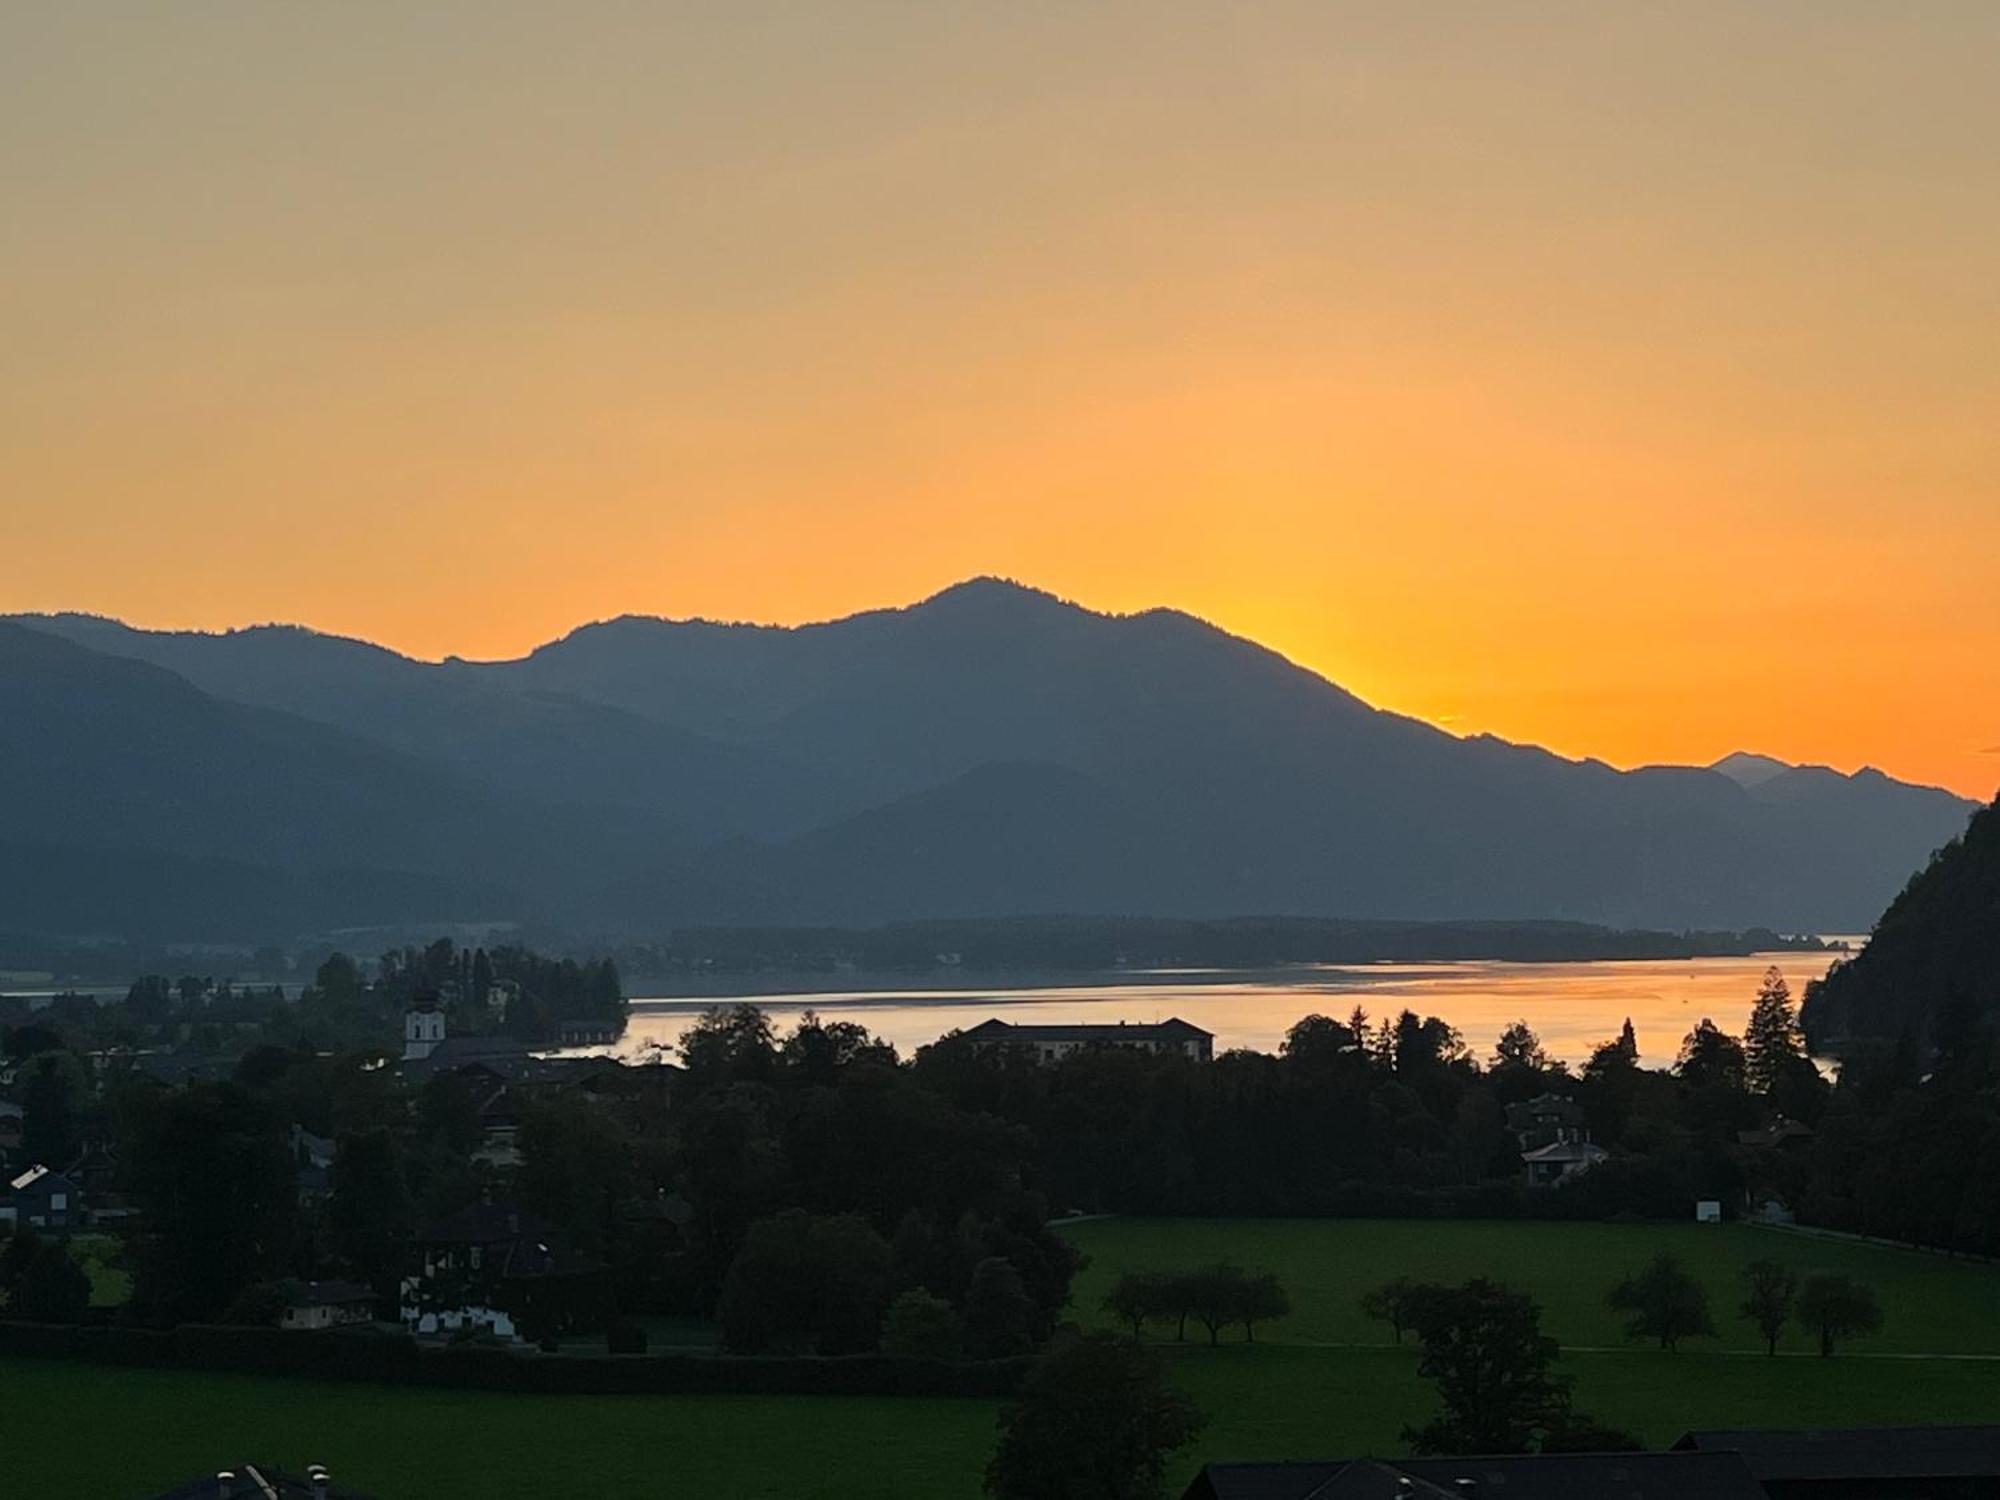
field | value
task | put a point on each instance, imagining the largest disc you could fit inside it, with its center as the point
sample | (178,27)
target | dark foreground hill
(991,751)
(1935,951)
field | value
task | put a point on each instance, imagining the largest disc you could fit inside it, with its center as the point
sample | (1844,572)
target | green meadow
(1324,1381)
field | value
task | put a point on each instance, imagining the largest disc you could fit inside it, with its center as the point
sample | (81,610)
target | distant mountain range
(992,750)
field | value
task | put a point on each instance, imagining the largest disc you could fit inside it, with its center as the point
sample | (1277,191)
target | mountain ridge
(1157,760)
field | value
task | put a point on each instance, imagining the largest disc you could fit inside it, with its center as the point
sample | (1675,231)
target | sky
(1620,378)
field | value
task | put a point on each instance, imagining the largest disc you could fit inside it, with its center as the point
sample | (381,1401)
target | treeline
(1096,943)
(1216,1297)
(509,990)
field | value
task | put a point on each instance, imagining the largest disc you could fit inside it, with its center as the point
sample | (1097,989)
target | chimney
(225,1485)
(318,1478)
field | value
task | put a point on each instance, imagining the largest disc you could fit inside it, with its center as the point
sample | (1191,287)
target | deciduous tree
(1095,1420)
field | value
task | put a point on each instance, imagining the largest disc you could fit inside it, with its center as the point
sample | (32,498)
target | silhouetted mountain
(543,746)
(995,750)
(1937,947)
(114,764)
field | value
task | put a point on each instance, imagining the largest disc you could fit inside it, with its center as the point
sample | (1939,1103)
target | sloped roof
(1535,1476)
(1566,1151)
(1857,1452)
(255,1482)
(42,1179)
(329,1294)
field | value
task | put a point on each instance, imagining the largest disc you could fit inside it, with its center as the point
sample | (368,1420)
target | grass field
(1289,1395)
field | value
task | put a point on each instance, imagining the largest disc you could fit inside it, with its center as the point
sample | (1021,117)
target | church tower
(423,1027)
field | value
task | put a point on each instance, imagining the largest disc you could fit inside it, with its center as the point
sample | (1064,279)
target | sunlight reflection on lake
(1573,1006)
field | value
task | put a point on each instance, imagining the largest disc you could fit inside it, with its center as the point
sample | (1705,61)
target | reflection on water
(1573,1006)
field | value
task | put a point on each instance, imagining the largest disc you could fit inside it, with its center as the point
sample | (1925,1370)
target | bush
(920,1326)
(625,1338)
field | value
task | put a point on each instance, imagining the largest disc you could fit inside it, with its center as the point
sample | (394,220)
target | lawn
(1288,1395)
(153,1429)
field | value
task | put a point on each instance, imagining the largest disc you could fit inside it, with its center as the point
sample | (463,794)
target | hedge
(398,1359)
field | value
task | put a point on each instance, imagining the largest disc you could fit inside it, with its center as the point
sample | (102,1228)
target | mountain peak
(1748,769)
(988,591)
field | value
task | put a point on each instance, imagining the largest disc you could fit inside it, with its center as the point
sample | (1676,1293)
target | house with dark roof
(1551,1164)
(261,1482)
(1050,1043)
(1778,1132)
(42,1198)
(1845,1463)
(1862,1463)
(1535,1476)
(497,1268)
(1544,1119)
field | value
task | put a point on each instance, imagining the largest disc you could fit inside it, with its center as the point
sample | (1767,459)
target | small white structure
(423,1029)
(1708,1211)
(327,1304)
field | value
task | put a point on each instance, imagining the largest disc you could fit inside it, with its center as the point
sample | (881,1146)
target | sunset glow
(1520,368)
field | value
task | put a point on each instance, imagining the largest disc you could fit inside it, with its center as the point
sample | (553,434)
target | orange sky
(1620,378)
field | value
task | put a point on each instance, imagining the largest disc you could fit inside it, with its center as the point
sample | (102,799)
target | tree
(1397,1303)
(920,1326)
(1213,1295)
(1519,1047)
(576,1165)
(52,1101)
(1000,1316)
(1095,1420)
(261,1304)
(730,1044)
(1260,1299)
(1319,1041)
(806,1283)
(47,1285)
(215,1180)
(1711,1058)
(1836,1306)
(1769,1291)
(1138,1296)
(1666,1303)
(1484,1347)
(1772,1041)
(368,1214)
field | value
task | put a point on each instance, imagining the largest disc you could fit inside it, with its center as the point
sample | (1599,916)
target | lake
(1573,1006)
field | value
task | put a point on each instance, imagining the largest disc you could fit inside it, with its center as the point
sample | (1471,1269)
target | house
(1862,1463)
(1052,1043)
(327,1304)
(1545,1119)
(495,1267)
(41,1198)
(313,1155)
(1560,1160)
(1780,1132)
(261,1482)
(1536,1476)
